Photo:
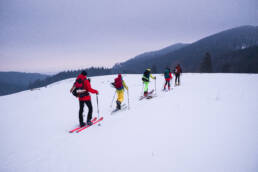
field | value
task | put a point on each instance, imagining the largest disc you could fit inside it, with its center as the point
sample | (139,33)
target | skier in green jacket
(146,80)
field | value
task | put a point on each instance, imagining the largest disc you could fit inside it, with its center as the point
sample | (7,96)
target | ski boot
(118,104)
(82,124)
(89,123)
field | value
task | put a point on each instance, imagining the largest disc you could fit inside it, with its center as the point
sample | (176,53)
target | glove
(97,93)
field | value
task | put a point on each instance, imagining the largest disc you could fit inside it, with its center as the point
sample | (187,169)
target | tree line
(93,71)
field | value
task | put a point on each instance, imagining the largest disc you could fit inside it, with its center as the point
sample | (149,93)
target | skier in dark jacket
(168,77)
(178,71)
(84,96)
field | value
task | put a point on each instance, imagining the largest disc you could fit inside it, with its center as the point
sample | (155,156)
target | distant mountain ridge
(12,82)
(163,51)
(147,56)
(190,55)
(232,51)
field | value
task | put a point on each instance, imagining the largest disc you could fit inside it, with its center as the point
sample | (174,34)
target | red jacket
(178,70)
(87,87)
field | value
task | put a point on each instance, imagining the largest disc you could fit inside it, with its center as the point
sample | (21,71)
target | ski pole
(142,88)
(97,105)
(128,99)
(155,86)
(113,99)
(164,87)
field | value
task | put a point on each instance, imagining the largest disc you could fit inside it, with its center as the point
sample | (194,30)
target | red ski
(93,120)
(87,126)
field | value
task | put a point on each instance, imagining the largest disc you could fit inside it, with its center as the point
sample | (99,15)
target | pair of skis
(79,129)
(148,96)
(123,107)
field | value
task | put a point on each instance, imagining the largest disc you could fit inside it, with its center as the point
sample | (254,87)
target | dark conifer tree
(206,64)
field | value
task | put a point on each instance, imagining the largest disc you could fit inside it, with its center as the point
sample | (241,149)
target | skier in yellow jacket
(119,84)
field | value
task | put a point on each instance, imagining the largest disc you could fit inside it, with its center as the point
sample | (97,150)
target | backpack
(178,70)
(166,74)
(118,84)
(79,90)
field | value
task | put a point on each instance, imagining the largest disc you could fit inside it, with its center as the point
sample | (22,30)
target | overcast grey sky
(54,35)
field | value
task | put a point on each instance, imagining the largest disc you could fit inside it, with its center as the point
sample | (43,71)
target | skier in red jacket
(84,96)
(168,77)
(178,71)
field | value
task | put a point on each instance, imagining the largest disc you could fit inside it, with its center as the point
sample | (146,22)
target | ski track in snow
(208,123)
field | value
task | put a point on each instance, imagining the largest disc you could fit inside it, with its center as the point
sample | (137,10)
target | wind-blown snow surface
(209,123)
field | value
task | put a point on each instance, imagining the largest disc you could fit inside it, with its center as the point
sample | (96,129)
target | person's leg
(168,84)
(89,105)
(165,84)
(120,98)
(81,103)
(117,102)
(146,84)
(179,79)
(176,80)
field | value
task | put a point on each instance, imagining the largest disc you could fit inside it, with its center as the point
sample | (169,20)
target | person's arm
(153,77)
(87,86)
(125,85)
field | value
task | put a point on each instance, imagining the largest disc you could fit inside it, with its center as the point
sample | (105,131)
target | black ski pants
(89,105)
(177,80)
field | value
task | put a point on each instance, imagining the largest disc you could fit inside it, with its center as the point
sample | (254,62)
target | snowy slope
(209,123)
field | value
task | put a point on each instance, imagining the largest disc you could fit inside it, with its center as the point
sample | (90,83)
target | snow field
(209,123)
